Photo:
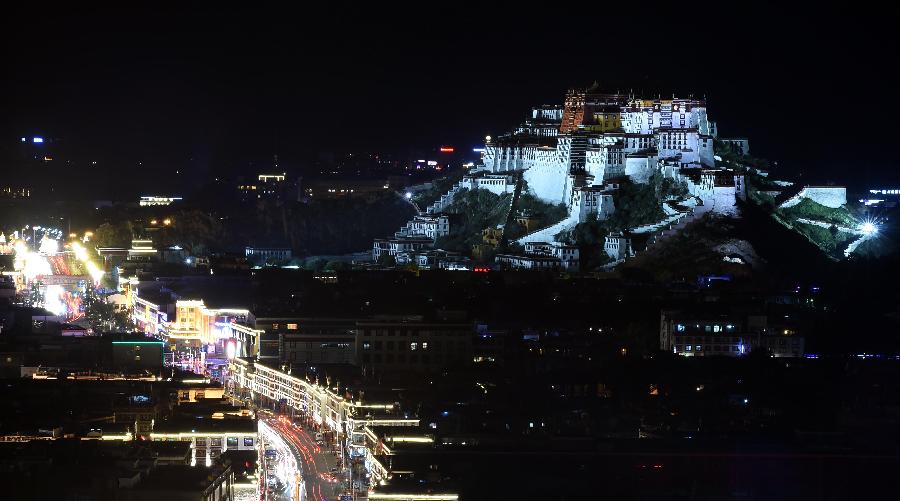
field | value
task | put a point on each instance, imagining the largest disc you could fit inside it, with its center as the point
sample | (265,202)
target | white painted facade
(497,184)
(592,200)
(426,225)
(639,167)
(543,256)
(618,246)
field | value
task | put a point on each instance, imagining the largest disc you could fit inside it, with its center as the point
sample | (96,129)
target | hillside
(319,227)
(753,246)
(473,210)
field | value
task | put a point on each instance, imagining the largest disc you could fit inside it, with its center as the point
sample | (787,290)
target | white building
(495,183)
(569,154)
(630,145)
(542,256)
(151,200)
(426,225)
(395,246)
(618,246)
(209,438)
(265,254)
(592,200)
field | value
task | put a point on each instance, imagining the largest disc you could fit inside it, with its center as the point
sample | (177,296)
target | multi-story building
(707,333)
(574,154)
(188,324)
(394,246)
(553,256)
(394,343)
(265,255)
(411,344)
(295,340)
(428,225)
(197,326)
(596,132)
(153,200)
(209,438)
(618,246)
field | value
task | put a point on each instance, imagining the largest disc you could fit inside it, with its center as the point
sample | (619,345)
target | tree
(387,260)
(103,317)
(315,264)
(589,237)
(113,234)
(337,266)
(194,230)
(636,205)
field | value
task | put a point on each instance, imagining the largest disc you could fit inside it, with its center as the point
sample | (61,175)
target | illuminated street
(316,463)
(279,480)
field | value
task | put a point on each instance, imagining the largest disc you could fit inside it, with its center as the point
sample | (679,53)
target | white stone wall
(829,196)
(496,184)
(549,181)
(639,169)
(724,199)
(706,153)
(548,113)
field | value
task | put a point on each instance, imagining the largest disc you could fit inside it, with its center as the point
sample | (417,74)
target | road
(316,463)
(280,471)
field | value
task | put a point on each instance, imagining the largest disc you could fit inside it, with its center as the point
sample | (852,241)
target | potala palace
(576,154)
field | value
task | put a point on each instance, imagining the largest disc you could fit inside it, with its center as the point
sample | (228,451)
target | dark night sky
(812,89)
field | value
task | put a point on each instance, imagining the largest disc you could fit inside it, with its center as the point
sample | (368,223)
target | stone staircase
(549,233)
(511,211)
(445,200)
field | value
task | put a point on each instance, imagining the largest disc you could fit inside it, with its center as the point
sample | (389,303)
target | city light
(37,139)
(868,228)
(82,254)
(49,246)
(53,300)
(447,149)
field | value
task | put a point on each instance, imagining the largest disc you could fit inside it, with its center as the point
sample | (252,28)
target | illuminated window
(413,346)
(292,327)
(367,346)
(232,441)
(248,441)
(425,346)
(274,326)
